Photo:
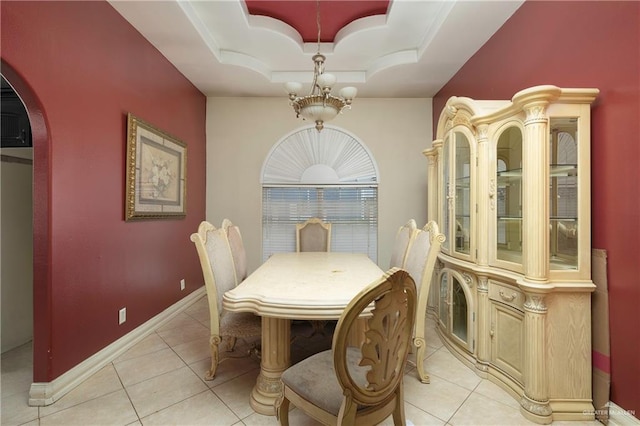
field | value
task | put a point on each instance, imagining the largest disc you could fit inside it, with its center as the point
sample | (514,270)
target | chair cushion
(240,324)
(315,380)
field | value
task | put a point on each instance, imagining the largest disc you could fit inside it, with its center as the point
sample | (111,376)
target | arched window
(328,174)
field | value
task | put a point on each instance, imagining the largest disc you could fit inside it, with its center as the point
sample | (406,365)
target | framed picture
(156,173)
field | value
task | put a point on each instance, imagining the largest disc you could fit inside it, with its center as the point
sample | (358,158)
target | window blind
(352,211)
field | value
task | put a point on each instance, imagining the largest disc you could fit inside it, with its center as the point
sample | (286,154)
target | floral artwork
(159,173)
(156,168)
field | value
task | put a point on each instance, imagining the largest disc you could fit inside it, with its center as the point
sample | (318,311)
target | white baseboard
(618,416)
(46,393)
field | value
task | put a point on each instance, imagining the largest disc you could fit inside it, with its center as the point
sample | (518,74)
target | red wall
(584,44)
(80,68)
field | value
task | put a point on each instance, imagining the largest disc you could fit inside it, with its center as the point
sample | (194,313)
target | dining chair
(313,235)
(401,244)
(420,263)
(348,385)
(238,251)
(219,274)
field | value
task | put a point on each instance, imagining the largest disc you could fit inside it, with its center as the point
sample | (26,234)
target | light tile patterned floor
(160,382)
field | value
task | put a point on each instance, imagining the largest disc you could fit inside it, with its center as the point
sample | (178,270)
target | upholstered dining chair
(401,244)
(358,386)
(420,262)
(313,235)
(238,252)
(219,274)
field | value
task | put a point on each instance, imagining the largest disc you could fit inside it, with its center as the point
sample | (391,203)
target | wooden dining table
(306,285)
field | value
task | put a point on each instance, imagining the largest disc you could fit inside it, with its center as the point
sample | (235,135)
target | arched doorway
(41,230)
(16,177)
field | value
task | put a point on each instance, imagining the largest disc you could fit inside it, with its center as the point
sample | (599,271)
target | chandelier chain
(318,22)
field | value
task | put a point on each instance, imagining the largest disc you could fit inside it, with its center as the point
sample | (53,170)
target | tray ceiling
(399,48)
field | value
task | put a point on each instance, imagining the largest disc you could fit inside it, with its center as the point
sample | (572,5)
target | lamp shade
(317,111)
(326,80)
(293,87)
(348,92)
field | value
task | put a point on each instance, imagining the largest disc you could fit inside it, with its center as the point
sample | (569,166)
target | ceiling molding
(412,51)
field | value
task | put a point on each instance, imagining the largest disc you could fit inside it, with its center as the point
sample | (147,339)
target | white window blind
(352,211)
(330,175)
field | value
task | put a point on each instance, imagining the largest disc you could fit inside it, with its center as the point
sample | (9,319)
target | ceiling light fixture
(319,105)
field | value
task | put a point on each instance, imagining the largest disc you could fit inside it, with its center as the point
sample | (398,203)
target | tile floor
(159,382)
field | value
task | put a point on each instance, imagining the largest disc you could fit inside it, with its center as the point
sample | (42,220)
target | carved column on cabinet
(484,331)
(535,202)
(432,176)
(535,401)
(482,214)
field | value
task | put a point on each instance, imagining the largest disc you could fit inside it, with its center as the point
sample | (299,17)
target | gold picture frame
(156,173)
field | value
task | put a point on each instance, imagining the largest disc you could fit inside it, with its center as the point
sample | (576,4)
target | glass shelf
(463,181)
(556,170)
(562,170)
(510,173)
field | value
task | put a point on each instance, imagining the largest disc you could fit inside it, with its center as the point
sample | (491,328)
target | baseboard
(618,416)
(46,393)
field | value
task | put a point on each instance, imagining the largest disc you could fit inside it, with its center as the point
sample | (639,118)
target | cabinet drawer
(506,294)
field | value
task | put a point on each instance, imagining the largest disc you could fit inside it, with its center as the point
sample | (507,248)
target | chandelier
(319,105)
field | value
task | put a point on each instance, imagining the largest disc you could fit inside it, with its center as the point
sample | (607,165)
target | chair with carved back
(313,235)
(420,263)
(401,243)
(358,385)
(219,274)
(238,251)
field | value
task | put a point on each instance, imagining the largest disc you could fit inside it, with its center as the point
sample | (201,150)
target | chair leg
(231,343)
(421,348)
(282,410)
(317,327)
(347,413)
(398,412)
(214,341)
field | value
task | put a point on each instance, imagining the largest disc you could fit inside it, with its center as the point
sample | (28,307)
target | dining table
(296,286)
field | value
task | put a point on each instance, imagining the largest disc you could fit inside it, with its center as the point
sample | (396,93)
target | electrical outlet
(183,284)
(122,315)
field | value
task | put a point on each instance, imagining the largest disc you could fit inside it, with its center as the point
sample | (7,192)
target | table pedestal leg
(276,357)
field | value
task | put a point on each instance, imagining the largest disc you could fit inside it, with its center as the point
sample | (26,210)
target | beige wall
(16,279)
(241,132)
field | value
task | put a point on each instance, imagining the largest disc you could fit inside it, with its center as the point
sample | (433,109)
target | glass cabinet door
(458,310)
(444,205)
(454,309)
(443,309)
(508,196)
(563,193)
(462,225)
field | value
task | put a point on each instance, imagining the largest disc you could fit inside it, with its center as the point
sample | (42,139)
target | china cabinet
(510,183)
